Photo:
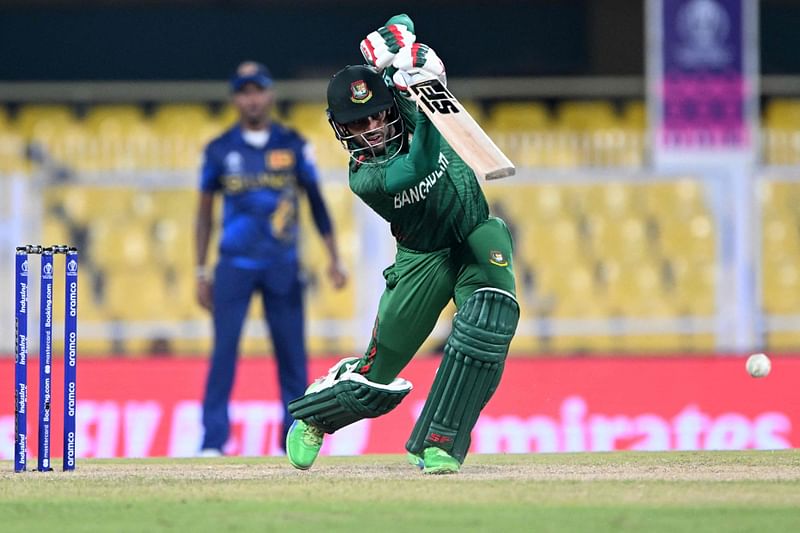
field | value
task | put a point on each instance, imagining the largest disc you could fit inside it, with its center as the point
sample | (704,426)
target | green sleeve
(422,158)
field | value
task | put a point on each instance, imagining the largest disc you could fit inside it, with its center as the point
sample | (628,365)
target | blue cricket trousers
(282,298)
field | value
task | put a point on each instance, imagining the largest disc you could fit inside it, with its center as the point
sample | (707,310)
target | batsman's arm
(422,158)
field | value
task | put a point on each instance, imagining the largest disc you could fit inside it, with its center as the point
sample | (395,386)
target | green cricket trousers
(420,284)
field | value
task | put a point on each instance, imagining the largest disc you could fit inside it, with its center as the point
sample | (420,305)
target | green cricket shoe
(303,442)
(437,461)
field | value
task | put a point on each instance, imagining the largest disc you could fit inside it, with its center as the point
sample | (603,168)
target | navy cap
(251,72)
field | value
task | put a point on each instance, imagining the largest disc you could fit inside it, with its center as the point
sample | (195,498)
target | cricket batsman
(448,247)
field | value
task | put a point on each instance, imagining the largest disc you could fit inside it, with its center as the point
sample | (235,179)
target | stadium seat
(692,285)
(518,117)
(181,116)
(311,121)
(625,239)
(586,115)
(681,197)
(12,151)
(139,294)
(780,238)
(556,243)
(782,113)
(31,117)
(113,119)
(116,244)
(634,115)
(613,199)
(227,115)
(781,288)
(694,238)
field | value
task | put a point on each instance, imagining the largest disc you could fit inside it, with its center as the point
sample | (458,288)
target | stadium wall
(140,408)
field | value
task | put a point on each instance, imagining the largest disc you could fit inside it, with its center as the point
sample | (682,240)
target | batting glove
(380,47)
(415,64)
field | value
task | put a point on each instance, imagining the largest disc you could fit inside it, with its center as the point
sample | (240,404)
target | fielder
(260,168)
(448,247)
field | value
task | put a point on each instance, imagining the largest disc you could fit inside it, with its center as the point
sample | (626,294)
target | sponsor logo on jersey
(497,258)
(359,92)
(279,159)
(240,183)
(420,191)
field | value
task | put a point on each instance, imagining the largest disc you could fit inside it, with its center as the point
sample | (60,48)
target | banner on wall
(144,408)
(702,69)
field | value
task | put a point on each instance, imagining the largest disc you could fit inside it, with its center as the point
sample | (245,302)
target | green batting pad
(349,399)
(470,372)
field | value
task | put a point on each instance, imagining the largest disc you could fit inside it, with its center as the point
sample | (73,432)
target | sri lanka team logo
(281,159)
(497,258)
(359,92)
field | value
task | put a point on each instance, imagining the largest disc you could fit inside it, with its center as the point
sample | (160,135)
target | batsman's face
(371,131)
(254,103)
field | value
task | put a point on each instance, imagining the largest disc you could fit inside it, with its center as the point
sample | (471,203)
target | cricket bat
(461,131)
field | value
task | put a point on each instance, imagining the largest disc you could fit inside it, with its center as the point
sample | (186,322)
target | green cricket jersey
(431,198)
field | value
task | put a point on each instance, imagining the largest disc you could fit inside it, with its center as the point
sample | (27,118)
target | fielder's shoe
(438,461)
(415,460)
(210,452)
(302,444)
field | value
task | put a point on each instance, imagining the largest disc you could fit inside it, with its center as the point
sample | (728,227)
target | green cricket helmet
(357,92)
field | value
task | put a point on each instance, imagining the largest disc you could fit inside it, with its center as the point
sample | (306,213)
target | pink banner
(139,408)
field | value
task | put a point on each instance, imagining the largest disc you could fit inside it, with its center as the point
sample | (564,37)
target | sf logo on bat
(436,97)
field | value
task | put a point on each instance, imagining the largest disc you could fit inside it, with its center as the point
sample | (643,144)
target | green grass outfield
(596,492)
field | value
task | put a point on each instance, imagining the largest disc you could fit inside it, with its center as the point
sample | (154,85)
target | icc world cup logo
(72,267)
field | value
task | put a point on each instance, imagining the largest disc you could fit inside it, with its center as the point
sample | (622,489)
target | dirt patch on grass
(520,468)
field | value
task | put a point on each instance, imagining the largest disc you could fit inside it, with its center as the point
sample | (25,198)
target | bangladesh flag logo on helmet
(359,92)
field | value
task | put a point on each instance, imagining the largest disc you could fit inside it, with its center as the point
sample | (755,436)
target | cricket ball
(758,365)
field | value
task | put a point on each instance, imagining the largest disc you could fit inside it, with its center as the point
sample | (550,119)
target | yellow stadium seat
(781,287)
(780,238)
(637,289)
(614,199)
(228,115)
(518,116)
(586,115)
(555,243)
(694,238)
(780,196)
(625,239)
(55,231)
(783,113)
(693,285)
(12,152)
(118,245)
(786,341)
(475,110)
(181,115)
(136,294)
(576,293)
(113,119)
(634,115)
(311,121)
(49,116)
(655,342)
(680,198)
(308,116)
(544,202)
